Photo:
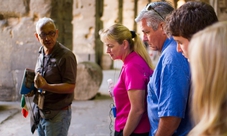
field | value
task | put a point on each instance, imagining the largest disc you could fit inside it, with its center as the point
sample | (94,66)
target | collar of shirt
(166,43)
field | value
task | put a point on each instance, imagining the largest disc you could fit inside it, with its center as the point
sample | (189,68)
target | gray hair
(43,21)
(157,14)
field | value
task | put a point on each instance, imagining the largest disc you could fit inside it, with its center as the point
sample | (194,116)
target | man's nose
(47,37)
(145,38)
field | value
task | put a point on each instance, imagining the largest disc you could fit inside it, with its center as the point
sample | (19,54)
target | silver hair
(43,21)
(156,14)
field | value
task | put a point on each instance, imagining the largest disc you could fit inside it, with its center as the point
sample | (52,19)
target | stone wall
(84,29)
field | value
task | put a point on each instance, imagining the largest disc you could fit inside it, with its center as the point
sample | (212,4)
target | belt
(49,111)
(66,108)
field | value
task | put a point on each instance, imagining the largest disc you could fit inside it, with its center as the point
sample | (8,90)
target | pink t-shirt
(134,75)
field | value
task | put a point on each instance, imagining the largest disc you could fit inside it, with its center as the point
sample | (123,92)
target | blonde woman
(208,59)
(131,88)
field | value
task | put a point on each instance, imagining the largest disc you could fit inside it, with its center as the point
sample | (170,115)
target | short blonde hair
(208,60)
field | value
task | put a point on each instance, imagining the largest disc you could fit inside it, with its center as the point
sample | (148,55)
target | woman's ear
(125,44)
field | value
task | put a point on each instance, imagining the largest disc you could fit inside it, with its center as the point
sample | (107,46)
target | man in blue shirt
(169,86)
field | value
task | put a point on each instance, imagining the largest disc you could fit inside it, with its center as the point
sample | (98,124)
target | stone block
(40,8)
(89,79)
(14,8)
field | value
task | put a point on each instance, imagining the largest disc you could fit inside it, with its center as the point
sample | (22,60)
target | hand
(111,95)
(39,81)
(30,94)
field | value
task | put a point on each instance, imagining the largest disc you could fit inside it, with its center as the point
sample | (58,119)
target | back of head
(42,22)
(154,13)
(190,18)
(208,59)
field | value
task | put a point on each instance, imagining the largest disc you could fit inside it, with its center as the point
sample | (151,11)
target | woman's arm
(137,101)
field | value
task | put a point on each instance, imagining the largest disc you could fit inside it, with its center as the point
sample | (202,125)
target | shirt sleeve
(68,68)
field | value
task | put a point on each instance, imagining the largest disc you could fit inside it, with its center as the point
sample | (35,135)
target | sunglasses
(149,7)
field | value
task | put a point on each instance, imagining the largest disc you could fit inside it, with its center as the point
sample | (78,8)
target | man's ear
(161,25)
(37,36)
(57,32)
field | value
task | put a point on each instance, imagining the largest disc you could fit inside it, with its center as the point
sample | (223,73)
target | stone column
(61,12)
(84,29)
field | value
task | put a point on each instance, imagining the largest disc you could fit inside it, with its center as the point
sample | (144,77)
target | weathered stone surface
(128,14)
(14,8)
(19,50)
(40,8)
(61,12)
(89,79)
(83,29)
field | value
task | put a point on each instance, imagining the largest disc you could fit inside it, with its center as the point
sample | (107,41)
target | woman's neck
(126,54)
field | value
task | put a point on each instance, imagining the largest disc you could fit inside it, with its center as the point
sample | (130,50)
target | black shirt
(58,67)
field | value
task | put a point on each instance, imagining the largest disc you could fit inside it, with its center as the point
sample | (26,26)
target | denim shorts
(57,126)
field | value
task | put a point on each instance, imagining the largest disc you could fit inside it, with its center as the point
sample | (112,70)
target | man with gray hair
(55,80)
(169,86)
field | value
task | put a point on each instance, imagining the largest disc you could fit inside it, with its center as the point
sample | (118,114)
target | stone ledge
(7,110)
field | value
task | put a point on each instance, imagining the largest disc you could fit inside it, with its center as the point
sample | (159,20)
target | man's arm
(41,83)
(60,88)
(167,126)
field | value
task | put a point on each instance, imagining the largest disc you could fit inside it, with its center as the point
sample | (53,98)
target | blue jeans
(57,126)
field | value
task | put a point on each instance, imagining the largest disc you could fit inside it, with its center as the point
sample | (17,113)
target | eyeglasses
(149,7)
(44,35)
